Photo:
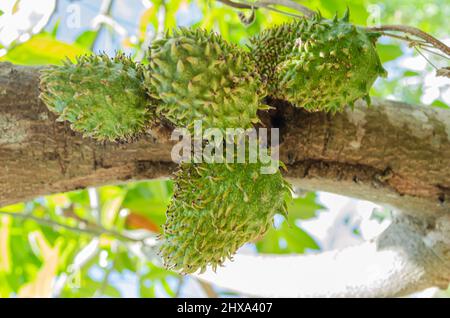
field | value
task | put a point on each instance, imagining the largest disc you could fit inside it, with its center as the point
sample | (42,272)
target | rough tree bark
(391,153)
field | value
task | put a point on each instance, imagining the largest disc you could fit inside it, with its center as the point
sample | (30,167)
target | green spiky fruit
(102,97)
(199,76)
(319,64)
(217,208)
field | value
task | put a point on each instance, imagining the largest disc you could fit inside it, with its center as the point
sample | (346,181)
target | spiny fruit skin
(319,64)
(198,75)
(101,97)
(217,208)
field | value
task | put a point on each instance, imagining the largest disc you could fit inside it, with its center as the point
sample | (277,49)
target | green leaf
(43,49)
(155,276)
(111,291)
(303,208)
(1,13)
(440,104)
(167,288)
(16,6)
(19,207)
(149,199)
(111,198)
(271,243)
(158,273)
(389,52)
(123,261)
(172,8)
(296,240)
(410,73)
(55,29)
(148,16)
(144,291)
(358,10)
(86,39)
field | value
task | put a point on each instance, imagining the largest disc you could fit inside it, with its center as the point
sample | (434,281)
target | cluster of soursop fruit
(314,63)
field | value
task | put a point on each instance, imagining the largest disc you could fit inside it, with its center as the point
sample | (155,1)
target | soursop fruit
(102,97)
(216,208)
(199,76)
(318,64)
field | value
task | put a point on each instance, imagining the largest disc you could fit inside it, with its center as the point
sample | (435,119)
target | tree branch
(267,4)
(390,153)
(416,32)
(91,229)
(208,289)
(402,260)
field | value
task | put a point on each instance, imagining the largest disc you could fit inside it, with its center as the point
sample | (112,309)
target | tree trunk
(390,153)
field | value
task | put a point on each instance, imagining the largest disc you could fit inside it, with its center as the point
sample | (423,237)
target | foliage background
(98,242)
